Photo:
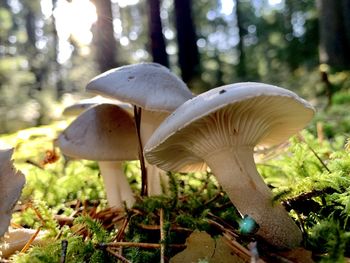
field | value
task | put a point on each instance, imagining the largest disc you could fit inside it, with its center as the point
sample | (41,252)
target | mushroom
(151,87)
(104,133)
(82,105)
(11,185)
(221,127)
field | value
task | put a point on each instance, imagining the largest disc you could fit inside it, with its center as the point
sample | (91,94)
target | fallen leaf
(298,255)
(201,247)
(11,184)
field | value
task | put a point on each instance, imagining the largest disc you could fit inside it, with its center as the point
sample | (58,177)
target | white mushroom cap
(82,105)
(150,86)
(239,114)
(105,132)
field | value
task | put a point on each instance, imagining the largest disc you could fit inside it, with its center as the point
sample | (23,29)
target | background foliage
(45,56)
(46,62)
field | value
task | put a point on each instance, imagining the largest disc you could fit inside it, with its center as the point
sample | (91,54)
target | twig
(298,200)
(315,153)
(223,226)
(140,245)
(214,198)
(34,164)
(137,117)
(238,249)
(162,236)
(319,158)
(37,213)
(64,245)
(119,257)
(121,231)
(172,228)
(30,241)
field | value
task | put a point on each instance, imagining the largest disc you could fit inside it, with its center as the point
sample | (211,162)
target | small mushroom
(84,104)
(104,133)
(221,127)
(11,185)
(151,87)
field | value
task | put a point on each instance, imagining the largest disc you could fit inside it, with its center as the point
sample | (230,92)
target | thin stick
(223,226)
(306,196)
(162,236)
(172,228)
(137,117)
(319,158)
(238,249)
(315,153)
(121,230)
(64,245)
(121,258)
(140,245)
(30,241)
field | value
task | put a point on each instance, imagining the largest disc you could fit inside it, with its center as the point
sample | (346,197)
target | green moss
(312,177)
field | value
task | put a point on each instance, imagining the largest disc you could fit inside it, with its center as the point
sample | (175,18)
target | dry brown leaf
(201,247)
(298,255)
(11,184)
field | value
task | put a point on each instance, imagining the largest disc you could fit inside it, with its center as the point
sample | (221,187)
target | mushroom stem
(248,192)
(116,185)
(158,181)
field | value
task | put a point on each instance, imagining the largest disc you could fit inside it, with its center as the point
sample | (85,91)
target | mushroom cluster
(107,132)
(221,127)
(154,92)
(177,132)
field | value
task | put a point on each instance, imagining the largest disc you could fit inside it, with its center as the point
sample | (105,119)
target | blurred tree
(301,33)
(188,55)
(238,40)
(55,47)
(157,41)
(103,36)
(241,67)
(31,12)
(334,20)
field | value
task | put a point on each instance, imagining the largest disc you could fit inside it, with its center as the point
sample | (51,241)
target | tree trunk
(56,66)
(103,36)
(32,51)
(334,33)
(158,46)
(241,67)
(346,16)
(187,41)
